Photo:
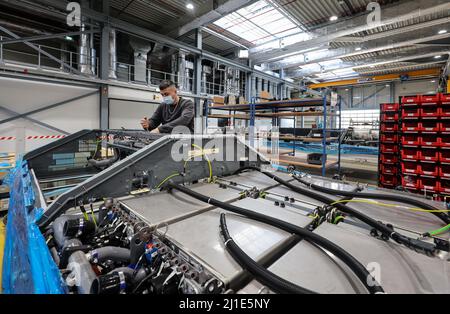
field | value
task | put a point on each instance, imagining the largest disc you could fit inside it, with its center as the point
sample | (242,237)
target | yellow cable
(93,217)
(207,159)
(391,206)
(167,179)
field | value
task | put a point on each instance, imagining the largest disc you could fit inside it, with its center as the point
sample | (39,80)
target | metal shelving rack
(252,111)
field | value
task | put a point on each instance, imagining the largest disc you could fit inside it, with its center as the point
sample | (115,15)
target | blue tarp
(28,267)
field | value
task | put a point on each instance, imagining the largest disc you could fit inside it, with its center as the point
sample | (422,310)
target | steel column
(104,107)
(198,69)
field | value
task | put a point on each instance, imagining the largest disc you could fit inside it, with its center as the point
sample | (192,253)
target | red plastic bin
(430,140)
(411,126)
(430,184)
(411,100)
(410,112)
(444,140)
(388,159)
(388,180)
(444,171)
(389,148)
(411,139)
(430,112)
(430,126)
(389,107)
(445,126)
(389,169)
(389,127)
(444,186)
(445,99)
(410,167)
(429,154)
(444,156)
(431,170)
(445,112)
(431,100)
(389,138)
(410,153)
(411,182)
(389,116)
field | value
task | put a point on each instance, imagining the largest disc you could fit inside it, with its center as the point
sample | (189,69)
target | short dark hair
(166,84)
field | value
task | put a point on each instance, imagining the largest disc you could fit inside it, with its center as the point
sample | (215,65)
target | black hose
(266,277)
(360,271)
(395,198)
(422,247)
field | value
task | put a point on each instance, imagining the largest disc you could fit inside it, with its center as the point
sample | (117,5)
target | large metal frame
(150,164)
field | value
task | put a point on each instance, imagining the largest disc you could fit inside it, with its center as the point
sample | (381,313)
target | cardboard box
(265,96)
(219,100)
(231,100)
(242,100)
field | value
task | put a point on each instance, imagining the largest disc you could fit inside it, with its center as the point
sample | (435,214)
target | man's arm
(156,120)
(184,120)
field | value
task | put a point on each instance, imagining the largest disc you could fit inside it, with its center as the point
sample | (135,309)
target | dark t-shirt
(171,116)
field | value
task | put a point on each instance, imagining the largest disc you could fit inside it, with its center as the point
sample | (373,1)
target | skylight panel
(258,23)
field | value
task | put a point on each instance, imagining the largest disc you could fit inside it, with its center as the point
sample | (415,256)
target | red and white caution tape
(37,137)
(45,137)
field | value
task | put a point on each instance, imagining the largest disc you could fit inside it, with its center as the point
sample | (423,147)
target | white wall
(127,114)
(25,95)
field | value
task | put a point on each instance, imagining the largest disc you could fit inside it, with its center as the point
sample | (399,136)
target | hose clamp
(80,227)
(123,283)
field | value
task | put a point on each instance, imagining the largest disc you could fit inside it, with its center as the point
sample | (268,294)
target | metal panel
(402,270)
(268,208)
(200,236)
(160,208)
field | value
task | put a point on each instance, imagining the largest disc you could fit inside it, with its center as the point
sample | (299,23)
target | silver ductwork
(112,54)
(86,50)
(141,49)
(84,53)
(181,73)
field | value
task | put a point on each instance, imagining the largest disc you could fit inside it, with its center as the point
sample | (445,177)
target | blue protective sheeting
(28,267)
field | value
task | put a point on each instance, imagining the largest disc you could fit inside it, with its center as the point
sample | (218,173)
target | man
(174,111)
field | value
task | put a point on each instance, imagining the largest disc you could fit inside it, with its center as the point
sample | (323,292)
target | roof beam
(362,64)
(326,55)
(223,9)
(381,78)
(408,10)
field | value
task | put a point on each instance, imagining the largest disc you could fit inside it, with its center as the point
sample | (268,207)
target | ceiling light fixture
(334,18)
(358,49)
(437,57)
(190,6)
(443,31)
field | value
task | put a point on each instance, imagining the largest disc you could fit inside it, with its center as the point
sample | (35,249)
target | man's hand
(155,131)
(145,123)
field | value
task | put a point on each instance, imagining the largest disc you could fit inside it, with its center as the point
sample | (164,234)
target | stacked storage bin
(388,162)
(425,144)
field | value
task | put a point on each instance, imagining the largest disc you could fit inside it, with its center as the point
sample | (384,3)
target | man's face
(170,92)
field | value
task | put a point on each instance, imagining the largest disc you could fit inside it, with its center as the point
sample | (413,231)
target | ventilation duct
(141,49)
(87,55)
(112,55)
